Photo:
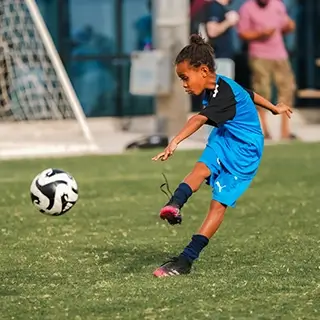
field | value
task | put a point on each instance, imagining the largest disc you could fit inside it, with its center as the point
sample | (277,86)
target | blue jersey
(237,138)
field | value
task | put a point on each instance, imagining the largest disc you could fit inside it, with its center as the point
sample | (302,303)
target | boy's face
(194,80)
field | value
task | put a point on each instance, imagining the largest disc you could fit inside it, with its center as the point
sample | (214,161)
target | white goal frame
(61,72)
(89,144)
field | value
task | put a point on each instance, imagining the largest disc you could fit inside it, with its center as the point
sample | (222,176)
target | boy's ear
(204,71)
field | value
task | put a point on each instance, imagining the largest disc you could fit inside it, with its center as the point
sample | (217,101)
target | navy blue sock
(182,194)
(193,249)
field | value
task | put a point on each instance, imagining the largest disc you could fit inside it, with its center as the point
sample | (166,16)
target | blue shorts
(227,188)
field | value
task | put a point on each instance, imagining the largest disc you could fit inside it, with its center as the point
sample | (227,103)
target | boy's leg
(208,228)
(183,263)
(191,183)
(227,188)
(213,219)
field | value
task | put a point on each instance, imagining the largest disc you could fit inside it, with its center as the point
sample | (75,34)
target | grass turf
(96,261)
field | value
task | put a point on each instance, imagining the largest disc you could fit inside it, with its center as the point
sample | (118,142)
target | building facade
(96,37)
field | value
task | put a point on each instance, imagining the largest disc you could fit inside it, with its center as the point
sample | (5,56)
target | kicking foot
(171,213)
(174,267)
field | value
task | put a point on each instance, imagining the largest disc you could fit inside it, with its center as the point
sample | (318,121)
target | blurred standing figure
(263,24)
(218,22)
(143,27)
(215,27)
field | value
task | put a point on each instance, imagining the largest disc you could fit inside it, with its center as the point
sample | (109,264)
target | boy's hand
(283,108)
(168,151)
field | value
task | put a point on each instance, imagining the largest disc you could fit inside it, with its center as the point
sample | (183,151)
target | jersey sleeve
(219,110)
(214,13)
(251,93)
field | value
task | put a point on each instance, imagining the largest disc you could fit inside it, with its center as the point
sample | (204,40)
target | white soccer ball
(54,192)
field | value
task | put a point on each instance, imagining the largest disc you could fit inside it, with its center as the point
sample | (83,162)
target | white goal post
(40,113)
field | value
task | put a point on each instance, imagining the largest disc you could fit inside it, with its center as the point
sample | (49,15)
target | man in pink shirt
(263,23)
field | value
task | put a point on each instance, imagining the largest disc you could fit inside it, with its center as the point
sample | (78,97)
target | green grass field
(96,262)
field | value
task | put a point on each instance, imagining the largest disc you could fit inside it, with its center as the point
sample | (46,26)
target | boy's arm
(280,108)
(264,103)
(192,125)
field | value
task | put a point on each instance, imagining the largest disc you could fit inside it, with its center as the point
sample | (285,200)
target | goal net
(39,110)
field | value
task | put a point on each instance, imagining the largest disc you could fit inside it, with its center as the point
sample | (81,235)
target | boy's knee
(218,207)
(202,170)
(196,177)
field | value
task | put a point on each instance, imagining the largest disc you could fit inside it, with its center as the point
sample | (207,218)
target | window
(137,25)
(93,27)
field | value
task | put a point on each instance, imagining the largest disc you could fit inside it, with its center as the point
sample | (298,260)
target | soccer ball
(54,192)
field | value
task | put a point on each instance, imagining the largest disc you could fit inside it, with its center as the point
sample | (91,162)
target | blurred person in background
(263,24)
(196,14)
(143,27)
(218,25)
(93,80)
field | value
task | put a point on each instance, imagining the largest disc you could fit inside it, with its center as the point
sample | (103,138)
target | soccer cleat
(171,213)
(174,267)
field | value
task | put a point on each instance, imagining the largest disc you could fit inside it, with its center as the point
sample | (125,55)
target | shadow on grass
(8,293)
(130,259)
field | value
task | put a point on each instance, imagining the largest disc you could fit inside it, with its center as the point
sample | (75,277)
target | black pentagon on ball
(34,198)
(56,171)
(49,191)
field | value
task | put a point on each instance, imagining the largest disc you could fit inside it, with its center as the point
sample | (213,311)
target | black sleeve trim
(218,116)
(251,93)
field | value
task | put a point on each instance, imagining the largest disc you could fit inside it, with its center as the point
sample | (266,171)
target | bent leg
(213,219)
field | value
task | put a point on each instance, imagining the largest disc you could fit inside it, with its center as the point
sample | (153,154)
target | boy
(233,152)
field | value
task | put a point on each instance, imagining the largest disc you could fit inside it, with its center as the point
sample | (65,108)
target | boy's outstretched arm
(192,125)
(266,104)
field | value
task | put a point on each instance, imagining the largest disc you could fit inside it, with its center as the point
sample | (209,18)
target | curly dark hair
(197,53)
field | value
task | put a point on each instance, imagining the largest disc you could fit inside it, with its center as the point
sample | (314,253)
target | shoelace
(167,192)
(170,259)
